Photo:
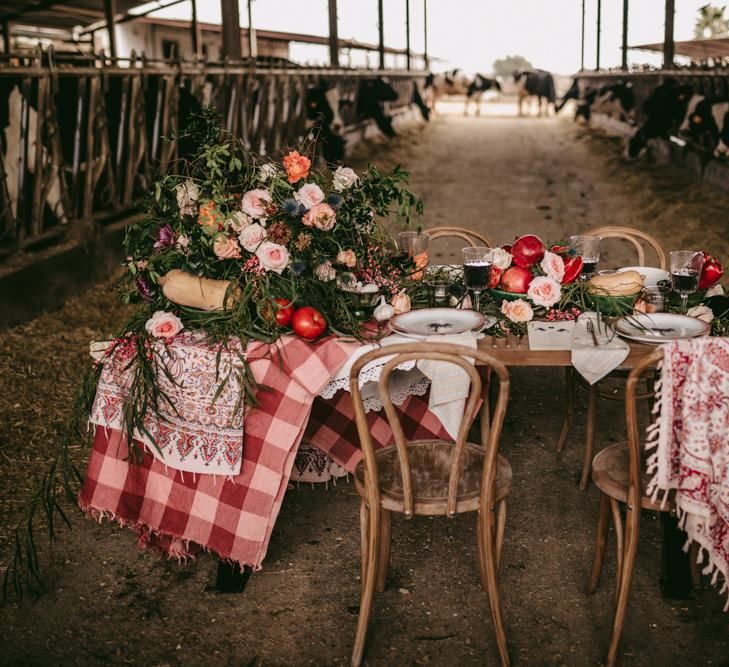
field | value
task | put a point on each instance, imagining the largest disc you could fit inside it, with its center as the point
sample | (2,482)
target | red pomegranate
(528,250)
(516,279)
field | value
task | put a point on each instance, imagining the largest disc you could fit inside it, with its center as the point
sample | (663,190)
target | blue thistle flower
(297,267)
(293,208)
(334,200)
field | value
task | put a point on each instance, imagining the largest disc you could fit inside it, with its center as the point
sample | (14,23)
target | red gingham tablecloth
(180,512)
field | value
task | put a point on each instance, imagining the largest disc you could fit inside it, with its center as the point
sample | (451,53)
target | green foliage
(506,66)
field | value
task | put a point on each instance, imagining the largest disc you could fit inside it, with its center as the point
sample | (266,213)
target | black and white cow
(538,83)
(371,96)
(664,110)
(456,82)
(706,124)
(616,100)
(324,121)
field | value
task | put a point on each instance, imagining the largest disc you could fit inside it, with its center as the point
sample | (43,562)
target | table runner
(231,515)
(689,445)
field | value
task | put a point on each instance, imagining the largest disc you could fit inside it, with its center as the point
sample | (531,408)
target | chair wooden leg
(632,518)
(487,550)
(480,544)
(384,555)
(592,393)
(694,566)
(371,544)
(600,544)
(364,520)
(619,548)
(500,527)
(569,407)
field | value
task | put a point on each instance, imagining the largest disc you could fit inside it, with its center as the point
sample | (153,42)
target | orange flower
(421,261)
(297,166)
(209,217)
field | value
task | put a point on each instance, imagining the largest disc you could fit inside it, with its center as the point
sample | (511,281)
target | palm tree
(711,23)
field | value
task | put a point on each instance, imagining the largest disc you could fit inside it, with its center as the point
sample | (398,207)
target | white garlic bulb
(384,311)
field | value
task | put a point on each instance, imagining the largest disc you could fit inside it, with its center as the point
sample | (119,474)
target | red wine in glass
(477,275)
(685,281)
(589,267)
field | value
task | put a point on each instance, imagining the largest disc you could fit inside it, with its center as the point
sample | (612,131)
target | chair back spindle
(637,239)
(473,239)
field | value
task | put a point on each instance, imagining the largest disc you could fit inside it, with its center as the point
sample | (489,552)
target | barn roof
(696,49)
(60,14)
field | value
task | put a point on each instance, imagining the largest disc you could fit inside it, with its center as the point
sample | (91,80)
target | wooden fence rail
(81,143)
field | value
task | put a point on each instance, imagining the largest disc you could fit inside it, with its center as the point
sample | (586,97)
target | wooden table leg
(676,583)
(231,578)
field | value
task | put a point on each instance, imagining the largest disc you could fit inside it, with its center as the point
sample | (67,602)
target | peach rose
(238,221)
(347,257)
(344,178)
(401,303)
(163,325)
(544,291)
(517,311)
(701,312)
(209,217)
(553,265)
(321,216)
(309,195)
(272,256)
(325,272)
(225,247)
(255,202)
(252,236)
(421,261)
(297,166)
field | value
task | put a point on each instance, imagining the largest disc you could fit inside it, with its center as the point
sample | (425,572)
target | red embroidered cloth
(234,516)
(691,441)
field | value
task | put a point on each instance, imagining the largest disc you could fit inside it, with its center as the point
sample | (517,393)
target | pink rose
(325,272)
(252,236)
(225,247)
(517,311)
(544,291)
(309,195)
(553,265)
(255,202)
(321,216)
(163,325)
(272,256)
(401,303)
(347,257)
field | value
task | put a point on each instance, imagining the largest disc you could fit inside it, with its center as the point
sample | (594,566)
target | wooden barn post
(6,37)
(252,40)
(599,30)
(624,61)
(407,35)
(110,13)
(196,35)
(381,28)
(668,45)
(333,34)
(582,42)
(231,29)
(425,34)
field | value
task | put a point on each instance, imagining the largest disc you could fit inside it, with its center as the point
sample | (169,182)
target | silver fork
(591,329)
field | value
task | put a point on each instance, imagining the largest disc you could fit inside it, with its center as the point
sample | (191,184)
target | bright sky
(471,34)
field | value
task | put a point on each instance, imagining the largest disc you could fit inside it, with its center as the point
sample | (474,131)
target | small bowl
(499,295)
(612,306)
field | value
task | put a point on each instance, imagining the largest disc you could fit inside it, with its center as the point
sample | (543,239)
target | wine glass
(415,245)
(685,270)
(587,247)
(477,271)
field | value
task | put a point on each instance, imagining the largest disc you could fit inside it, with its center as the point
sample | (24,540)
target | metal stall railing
(83,141)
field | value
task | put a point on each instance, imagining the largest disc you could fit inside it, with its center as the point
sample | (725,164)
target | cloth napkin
(594,362)
(449,384)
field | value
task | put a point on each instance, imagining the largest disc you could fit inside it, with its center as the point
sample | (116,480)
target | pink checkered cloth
(180,512)
(690,445)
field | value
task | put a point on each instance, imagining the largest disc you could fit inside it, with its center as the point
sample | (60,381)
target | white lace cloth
(406,380)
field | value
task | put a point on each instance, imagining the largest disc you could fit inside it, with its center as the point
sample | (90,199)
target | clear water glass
(685,271)
(413,243)
(587,247)
(477,271)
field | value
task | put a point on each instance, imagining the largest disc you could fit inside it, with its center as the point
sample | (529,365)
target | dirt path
(111,604)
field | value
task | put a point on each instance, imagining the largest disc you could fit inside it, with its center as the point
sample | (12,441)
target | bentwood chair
(472,238)
(432,477)
(619,473)
(639,241)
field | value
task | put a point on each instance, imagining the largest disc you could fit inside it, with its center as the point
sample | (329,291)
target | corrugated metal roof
(696,49)
(54,14)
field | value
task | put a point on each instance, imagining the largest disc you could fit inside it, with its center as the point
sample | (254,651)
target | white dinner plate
(434,321)
(651,274)
(487,324)
(660,327)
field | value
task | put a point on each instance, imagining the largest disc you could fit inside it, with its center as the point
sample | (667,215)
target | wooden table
(511,350)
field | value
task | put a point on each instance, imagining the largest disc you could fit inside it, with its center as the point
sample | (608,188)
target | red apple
(308,323)
(284,312)
(528,250)
(495,277)
(516,279)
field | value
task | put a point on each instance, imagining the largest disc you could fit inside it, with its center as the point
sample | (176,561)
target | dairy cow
(535,83)
(456,82)
(706,124)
